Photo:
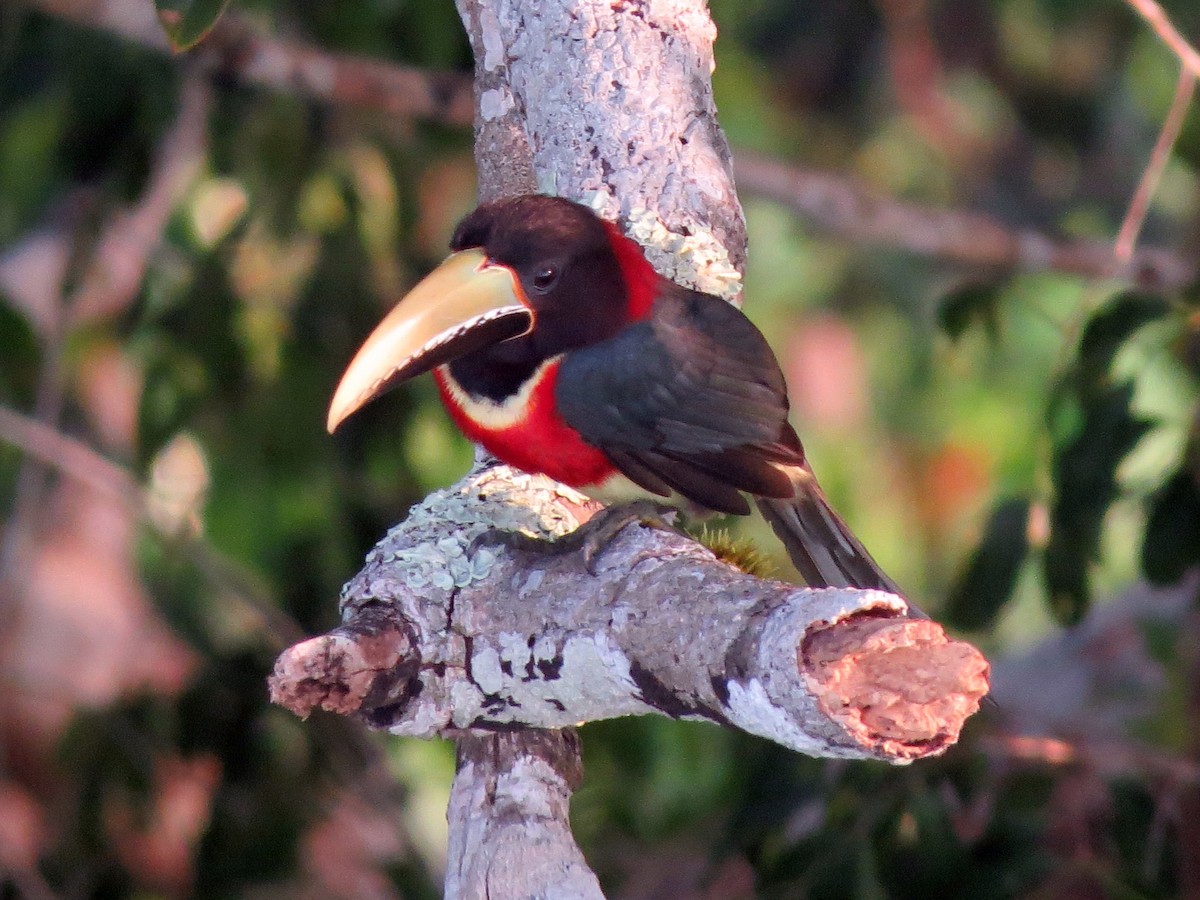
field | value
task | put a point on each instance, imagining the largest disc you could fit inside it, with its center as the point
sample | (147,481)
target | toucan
(556,345)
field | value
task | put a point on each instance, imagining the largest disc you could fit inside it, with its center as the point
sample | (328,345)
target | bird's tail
(821,546)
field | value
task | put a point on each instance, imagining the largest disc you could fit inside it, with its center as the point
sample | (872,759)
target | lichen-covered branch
(443,637)
(610,103)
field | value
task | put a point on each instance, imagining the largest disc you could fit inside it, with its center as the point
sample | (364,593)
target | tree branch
(1139,205)
(235,48)
(1158,20)
(441,638)
(512,792)
(839,204)
(830,201)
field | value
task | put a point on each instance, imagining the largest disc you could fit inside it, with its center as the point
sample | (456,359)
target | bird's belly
(616,488)
(563,457)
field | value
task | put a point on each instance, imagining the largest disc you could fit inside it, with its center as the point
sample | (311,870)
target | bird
(557,346)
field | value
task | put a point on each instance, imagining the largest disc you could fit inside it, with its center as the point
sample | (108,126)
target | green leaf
(187,22)
(990,576)
(1086,461)
(1110,327)
(1172,541)
(974,302)
(1085,486)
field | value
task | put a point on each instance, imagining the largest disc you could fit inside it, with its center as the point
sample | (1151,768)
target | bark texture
(611,103)
(510,797)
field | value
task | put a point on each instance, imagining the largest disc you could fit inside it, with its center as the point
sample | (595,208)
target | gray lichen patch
(430,552)
(698,260)
(564,677)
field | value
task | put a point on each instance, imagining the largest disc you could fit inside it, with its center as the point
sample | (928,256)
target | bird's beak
(463,305)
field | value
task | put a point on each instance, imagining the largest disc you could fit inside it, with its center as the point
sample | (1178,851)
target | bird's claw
(598,532)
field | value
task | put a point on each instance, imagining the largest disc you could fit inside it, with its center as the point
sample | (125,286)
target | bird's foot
(594,535)
(591,538)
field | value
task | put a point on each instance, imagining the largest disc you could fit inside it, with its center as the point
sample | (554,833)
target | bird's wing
(691,400)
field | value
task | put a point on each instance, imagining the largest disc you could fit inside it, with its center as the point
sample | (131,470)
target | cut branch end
(899,685)
(358,668)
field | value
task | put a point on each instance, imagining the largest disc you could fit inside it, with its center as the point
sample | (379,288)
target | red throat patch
(539,440)
(641,281)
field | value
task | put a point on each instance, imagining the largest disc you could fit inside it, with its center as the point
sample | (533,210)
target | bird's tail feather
(820,544)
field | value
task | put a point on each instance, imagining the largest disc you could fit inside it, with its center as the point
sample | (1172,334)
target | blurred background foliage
(187,260)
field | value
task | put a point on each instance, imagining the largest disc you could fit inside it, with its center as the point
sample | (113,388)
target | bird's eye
(545,278)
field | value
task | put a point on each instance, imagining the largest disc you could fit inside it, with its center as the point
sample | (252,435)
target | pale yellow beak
(463,305)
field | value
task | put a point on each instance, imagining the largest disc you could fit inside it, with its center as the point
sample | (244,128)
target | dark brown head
(562,256)
(530,277)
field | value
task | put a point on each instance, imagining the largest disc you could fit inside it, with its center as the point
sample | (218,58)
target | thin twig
(80,462)
(841,205)
(1113,757)
(71,457)
(1158,20)
(1131,226)
(122,252)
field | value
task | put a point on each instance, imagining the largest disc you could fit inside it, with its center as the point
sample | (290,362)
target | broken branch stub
(440,637)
